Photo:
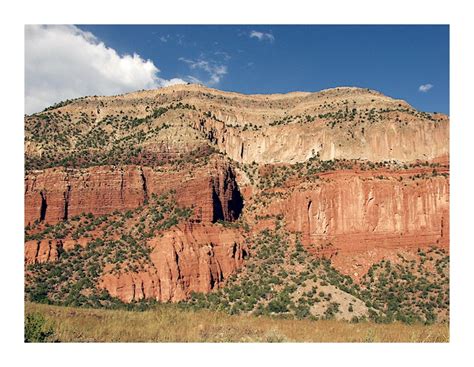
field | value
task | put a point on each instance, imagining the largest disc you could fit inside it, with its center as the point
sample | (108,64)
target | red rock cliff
(195,257)
(57,194)
(351,215)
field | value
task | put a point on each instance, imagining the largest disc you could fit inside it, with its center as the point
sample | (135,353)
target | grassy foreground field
(168,323)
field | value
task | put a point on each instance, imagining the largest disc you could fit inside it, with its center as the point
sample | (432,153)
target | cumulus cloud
(215,71)
(173,81)
(425,87)
(63,62)
(262,36)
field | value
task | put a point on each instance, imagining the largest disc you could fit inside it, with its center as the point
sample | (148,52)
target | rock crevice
(56,194)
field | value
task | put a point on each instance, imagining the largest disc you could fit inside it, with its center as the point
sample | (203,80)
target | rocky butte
(160,194)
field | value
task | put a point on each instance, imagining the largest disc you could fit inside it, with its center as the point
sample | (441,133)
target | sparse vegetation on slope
(270,176)
(72,280)
(411,290)
(281,278)
(88,139)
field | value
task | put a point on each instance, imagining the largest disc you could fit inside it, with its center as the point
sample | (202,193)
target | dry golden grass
(167,323)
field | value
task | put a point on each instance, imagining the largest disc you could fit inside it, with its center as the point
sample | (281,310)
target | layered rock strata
(347,215)
(191,258)
(56,194)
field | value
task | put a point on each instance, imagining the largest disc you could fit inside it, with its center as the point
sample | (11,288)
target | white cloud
(214,70)
(173,81)
(63,62)
(425,87)
(224,55)
(262,36)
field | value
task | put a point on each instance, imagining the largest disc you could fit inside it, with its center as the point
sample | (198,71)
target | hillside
(321,205)
(172,122)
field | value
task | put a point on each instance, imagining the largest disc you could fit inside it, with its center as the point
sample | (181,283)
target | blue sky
(396,60)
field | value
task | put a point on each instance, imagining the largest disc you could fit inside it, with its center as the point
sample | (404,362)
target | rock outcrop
(56,194)
(49,250)
(37,252)
(292,143)
(191,258)
(348,214)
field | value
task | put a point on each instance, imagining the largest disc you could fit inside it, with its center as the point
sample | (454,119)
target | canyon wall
(351,205)
(293,143)
(190,258)
(56,194)
(351,217)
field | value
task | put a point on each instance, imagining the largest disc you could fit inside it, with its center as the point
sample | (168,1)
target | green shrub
(36,329)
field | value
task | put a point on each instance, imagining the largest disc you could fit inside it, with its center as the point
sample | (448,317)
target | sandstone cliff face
(352,205)
(349,216)
(188,258)
(197,256)
(390,140)
(56,194)
(49,250)
(191,258)
(42,251)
